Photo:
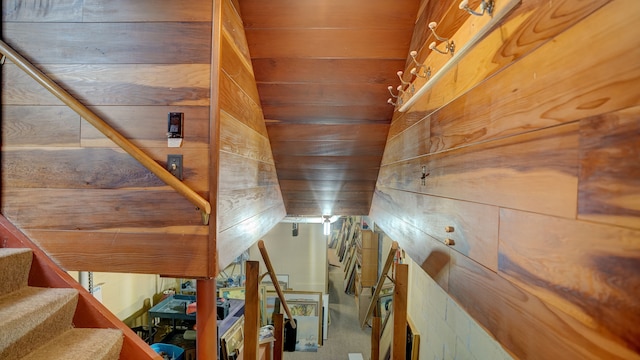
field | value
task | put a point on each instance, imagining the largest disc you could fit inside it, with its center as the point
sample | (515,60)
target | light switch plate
(174,165)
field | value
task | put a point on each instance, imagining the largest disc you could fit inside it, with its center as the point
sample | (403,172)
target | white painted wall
(446,330)
(124,294)
(303,257)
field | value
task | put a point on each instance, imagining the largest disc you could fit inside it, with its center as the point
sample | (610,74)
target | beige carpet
(36,322)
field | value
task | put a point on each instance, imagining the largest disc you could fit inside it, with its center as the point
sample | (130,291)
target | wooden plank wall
(89,204)
(531,144)
(250,202)
(86,202)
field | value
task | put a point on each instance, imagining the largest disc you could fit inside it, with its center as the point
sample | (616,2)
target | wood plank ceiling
(322,68)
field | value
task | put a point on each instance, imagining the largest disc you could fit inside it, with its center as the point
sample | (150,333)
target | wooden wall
(86,202)
(531,143)
(250,202)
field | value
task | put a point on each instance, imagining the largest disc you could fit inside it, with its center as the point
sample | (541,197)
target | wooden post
(376,323)
(206,320)
(251,311)
(278,346)
(399,344)
(265,351)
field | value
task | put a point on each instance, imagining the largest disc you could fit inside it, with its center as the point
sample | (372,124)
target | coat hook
(432,26)
(427,73)
(398,103)
(449,49)
(424,175)
(390,92)
(404,83)
(416,70)
(485,6)
(400,91)
(450,45)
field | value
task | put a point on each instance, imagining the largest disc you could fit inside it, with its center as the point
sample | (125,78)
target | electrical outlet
(174,165)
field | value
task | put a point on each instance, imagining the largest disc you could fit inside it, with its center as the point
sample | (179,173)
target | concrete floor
(345,334)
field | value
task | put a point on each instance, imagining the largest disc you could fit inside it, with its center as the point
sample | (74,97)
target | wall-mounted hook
(424,175)
(432,26)
(485,6)
(390,92)
(450,47)
(427,72)
(449,242)
(400,91)
(398,103)
(416,70)
(405,83)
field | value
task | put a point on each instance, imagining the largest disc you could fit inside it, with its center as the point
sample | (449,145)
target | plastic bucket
(170,351)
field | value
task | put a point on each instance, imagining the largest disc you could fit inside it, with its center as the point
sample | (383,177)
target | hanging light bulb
(326,225)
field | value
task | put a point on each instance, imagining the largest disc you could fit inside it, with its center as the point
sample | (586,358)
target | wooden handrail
(107,130)
(274,279)
(383,276)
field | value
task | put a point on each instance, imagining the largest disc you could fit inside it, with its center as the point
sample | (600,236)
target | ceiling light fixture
(326,225)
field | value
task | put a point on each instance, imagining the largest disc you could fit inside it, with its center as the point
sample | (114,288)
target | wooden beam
(376,323)
(278,346)
(400,291)
(206,319)
(251,310)
(128,251)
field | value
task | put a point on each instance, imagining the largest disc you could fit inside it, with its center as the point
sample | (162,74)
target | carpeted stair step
(81,344)
(32,316)
(14,269)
